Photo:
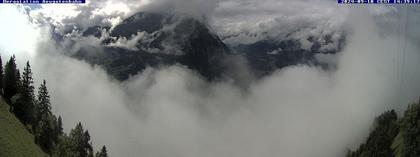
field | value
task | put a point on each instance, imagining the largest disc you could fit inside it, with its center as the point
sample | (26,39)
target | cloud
(297,111)
(130,44)
(196,8)
(16,30)
(247,21)
(82,16)
(236,21)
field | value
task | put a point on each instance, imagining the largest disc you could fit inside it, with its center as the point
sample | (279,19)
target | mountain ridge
(163,39)
(201,50)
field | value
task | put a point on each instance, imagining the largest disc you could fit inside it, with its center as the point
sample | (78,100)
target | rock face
(167,39)
(267,55)
(159,39)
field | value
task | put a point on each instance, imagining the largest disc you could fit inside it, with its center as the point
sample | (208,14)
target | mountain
(158,39)
(269,54)
(15,140)
(165,40)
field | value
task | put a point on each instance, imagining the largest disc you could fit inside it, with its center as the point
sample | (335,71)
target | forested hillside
(393,136)
(27,125)
(15,140)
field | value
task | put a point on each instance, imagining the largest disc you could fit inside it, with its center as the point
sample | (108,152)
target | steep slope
(268,54)
(380,139)
(392,136)
(15,140)
(156,39)
(159,39)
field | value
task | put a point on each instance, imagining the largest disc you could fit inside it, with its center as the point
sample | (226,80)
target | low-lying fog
(298,111)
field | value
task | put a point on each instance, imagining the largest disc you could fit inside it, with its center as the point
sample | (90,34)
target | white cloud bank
(298,111)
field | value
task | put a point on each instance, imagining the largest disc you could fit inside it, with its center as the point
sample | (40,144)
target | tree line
(35,113)
(392,136)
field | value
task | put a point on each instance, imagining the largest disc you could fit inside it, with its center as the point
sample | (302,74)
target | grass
(15,140)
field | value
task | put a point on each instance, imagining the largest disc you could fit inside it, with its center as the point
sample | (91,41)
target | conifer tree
(44,104)
(28,97)
(54,136)
(46,122)
(1,76)
(64,148)
(45,130)
(11,79)
(410,131)
(18,82)
(46,127)
(15,100)
(102,153)
(59,126)
(79,140)
(87,144)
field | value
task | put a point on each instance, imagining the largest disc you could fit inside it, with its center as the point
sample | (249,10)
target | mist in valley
(298,111)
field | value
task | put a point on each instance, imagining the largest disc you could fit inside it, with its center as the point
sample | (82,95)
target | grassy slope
(15,140)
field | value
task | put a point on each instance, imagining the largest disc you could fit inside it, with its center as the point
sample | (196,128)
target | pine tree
(87,144)
(11,78)
(102,153)
(54,129)
(18,82)
(1,76)
(46,127)
(59,126)
(380,139)
(44,104)
(78,137)
(18,106)
(46,135)
(64,148)
(16,101)
(28,97)
(410,131)
(45,130)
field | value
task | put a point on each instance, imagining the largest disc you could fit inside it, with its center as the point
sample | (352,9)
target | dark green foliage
(18,105)
(81,141)
(11,79)
(1,76)
(27,106)
(102,153)
(37,116)
(49,127)
(87,144)
(410,131)
(76,144)
(64,148)
(44,103)
(59,126)
(45,133)
(380,139)
(16,99)
(77,136)
(392,137)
